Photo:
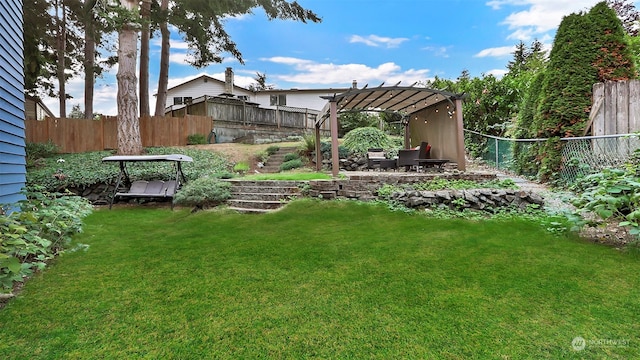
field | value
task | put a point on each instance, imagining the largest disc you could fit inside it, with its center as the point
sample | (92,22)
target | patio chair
(374,157)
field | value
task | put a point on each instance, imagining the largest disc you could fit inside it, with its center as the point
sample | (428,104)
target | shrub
(86,169)
(362,139)
(610,194)
(308,145)
(203,193)
(291,156)
(325,148)
(196,139)
(40,230)
(291,164)
(35,151)
(262,156)
(273,149)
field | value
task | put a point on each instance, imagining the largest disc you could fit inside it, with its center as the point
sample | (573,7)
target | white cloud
(496,52)
(310,72)
(540,17)
(439,51)
(498,73)
(375,41)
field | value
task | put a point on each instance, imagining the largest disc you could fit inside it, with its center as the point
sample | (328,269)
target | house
(241,114)
(35,109)
(12,143)
(183,94)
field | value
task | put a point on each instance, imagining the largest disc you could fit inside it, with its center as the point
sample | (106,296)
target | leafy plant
(86,169)
(204,192)
(362,139)
(308,145)
(40,230)
(610,194)
(196,139)
(291,164)
(291,156)
(272,149)
(36,151)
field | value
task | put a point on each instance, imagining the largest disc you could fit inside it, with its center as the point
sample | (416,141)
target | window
(188,100)
(177,100)
(243,97)
(280,99)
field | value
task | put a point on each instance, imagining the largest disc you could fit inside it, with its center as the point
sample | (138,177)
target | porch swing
(147,189)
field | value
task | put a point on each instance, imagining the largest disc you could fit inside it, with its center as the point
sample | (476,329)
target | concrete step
(263,196)
(255,204)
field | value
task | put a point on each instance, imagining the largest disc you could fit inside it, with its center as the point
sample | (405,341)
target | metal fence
(581,156)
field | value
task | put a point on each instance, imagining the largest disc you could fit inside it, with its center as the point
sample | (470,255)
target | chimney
(354,84)
(228,81)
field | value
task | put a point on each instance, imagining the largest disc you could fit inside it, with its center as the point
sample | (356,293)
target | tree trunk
(129,141)
(163,77)
(89,59)
(144,57)
(61,40)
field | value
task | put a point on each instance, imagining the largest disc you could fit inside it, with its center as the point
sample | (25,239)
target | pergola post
(407,135)
(335,157)
(462,165)
(317,145)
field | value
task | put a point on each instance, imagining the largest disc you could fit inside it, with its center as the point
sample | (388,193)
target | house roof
(209,78)
(39,102)
(325,91)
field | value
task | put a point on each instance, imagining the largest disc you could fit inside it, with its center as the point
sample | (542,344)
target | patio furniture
(425,161)
(374,157)
(147,189)
(408,158)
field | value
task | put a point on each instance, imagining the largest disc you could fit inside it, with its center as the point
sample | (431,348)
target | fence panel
(81,135)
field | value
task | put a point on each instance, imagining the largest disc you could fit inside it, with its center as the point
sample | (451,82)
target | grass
(324,280)
(299,176)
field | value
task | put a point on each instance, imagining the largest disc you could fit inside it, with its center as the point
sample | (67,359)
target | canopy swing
(147,189)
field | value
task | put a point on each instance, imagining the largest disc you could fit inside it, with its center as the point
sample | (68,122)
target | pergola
(428,115)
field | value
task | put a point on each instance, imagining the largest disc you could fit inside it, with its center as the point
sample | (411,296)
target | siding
(12,152)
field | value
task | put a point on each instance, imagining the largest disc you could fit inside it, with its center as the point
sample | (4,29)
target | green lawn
(324,280)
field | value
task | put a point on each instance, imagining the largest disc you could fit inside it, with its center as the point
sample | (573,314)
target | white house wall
(295,98)
(198,88)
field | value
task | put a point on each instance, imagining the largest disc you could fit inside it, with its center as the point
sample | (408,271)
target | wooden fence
(615,108)
(81,135)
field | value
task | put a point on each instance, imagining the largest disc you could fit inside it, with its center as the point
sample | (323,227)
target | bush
(362,139)
(291,164)
(308,145)
(40,230)
(291,156)
(203,193)
(325,148)
(196,139)
(86,169)
(273,149)
(35,151)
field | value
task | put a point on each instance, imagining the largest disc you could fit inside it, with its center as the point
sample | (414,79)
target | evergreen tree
(613,58)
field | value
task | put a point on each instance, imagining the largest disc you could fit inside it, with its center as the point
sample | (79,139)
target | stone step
(266,183)
(263,196)
(250,211)
(255,204)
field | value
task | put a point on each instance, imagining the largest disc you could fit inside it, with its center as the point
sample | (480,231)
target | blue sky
(370,41)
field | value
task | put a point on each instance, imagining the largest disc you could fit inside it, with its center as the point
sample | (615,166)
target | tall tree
(129,141)
(39,53)
(145,36)
(163,77)
(61,41)
(90,35)
(201,23)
